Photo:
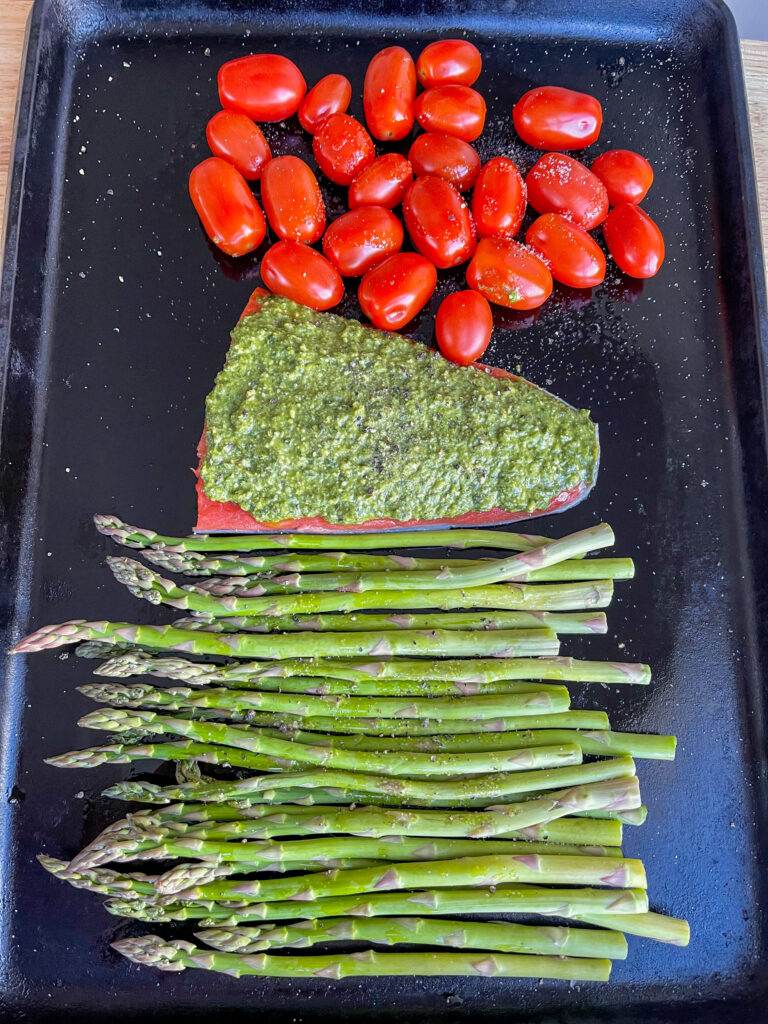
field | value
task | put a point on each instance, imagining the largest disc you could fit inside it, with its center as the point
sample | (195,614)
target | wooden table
(13,17)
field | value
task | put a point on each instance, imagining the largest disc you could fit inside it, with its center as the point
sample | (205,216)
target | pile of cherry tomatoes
(444,229)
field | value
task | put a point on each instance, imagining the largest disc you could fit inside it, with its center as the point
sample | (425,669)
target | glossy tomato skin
(360,239)
(392,293)
(302,274)
(634,241)
(236,139)
(452,110)
(559,184)
(506,273)
(449,62)
(389,92)
(555,118)
(447,157)
(382,183)
(265,86)
(342,148)
(226,206)
(627,176)
(292,200)
(463,326)
(499,199)
(571,253)
(331,95)
(439,222)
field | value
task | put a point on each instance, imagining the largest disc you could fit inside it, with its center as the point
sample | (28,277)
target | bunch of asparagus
(401,749)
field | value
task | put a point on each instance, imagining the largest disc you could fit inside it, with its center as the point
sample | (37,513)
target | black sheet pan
(114,318)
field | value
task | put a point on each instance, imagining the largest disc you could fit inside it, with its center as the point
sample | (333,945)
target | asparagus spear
(566,903)
(313,854)
(134,537)
(478,670)
(533,868)
(405,763)
(194,563)
(143,582)
(257,584)
(384,727)
(558,622)
(553,700)
(321,687)
(268,821)
(499,643)
(577,942)
(152,951)
(598,742)
(473,791)
(390,931)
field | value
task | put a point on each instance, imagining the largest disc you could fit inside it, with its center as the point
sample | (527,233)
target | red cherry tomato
(506,273)
(559,184)
(331,95)
(392,294)
(439,222)
(555,118)
(388,94)
(236,139)
(627,176)
(360,239)
(452,110)
(225,204)
(342,148)
(634,241)
(499,199)
(265,86)
(449,62)
(382,183)
(292,200)
(447,157)
(463,326)
(300,273)
(570,252)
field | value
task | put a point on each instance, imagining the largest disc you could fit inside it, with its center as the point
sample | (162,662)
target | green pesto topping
(315,415)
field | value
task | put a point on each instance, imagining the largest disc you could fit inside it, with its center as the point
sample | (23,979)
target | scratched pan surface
(117,313)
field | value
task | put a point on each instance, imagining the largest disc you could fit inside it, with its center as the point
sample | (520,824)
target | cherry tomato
(452,110)
(292,199)
(499,199)
(331,95)
(634,241)
(300,273)
(439,222)
(265,86)
(342,148)
(360,239)
(449,62)
(555,118)
(506,273)
(388,94)
(559,184)
(627,176)
(463,326)
(236,139)
(225,204)
(382,183)
(446,157)
(571,253)
(392,294)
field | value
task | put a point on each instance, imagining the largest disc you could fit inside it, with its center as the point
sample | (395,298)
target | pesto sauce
(316,415)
